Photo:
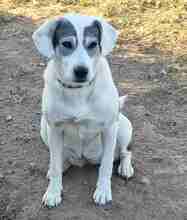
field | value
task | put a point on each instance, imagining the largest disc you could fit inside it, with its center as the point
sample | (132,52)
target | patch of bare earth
(157,107)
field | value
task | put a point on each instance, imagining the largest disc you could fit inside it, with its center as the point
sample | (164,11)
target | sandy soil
(157,107)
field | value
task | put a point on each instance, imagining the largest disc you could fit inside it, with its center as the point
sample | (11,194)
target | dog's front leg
(52,196)
(103,194)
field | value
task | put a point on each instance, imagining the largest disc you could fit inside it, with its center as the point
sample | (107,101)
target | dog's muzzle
(75,85)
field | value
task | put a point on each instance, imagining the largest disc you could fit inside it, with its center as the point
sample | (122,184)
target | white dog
(81,119)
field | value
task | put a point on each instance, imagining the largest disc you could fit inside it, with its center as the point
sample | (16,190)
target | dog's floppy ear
(43,38)
(109,37)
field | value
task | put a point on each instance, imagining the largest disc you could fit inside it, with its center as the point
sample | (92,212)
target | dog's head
(76,42)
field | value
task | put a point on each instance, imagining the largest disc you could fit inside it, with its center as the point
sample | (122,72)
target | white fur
(42,38)
(90,113)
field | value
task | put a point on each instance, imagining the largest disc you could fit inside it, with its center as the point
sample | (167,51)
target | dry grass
(149,24)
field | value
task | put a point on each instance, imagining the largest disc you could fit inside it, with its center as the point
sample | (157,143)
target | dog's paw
(103,194)
(51,199)
(52,196)
(125,168)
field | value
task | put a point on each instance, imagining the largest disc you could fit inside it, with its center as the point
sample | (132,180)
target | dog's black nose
(81,73)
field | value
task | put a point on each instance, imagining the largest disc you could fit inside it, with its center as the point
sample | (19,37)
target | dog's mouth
(75,85)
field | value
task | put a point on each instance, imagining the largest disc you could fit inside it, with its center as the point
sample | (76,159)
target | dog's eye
(92,45)
(67,44)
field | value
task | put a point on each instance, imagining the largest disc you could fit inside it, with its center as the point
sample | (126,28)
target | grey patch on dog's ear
(98,25)
(64,28)
(109,37)
(93,31)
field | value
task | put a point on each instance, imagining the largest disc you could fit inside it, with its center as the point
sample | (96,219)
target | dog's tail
(122,100)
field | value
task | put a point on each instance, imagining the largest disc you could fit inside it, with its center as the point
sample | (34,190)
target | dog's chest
(82,141)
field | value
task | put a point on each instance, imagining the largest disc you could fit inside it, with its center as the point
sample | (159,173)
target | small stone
(145,180)
(10,172)
(147,114)
(85,182)
(164,72)
(32,165)
(2,176)
(9,118)
(41,64)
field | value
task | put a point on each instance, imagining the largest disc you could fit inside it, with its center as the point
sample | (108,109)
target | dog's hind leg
(43,130)
(124,136)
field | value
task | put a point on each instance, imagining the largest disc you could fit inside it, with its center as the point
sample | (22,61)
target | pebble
(9,118)
(10,172)
(145,180)
(1,176)
(41,64)
(85,182)
(32,165)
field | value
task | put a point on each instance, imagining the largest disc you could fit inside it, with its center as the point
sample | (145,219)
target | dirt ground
(157,107)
